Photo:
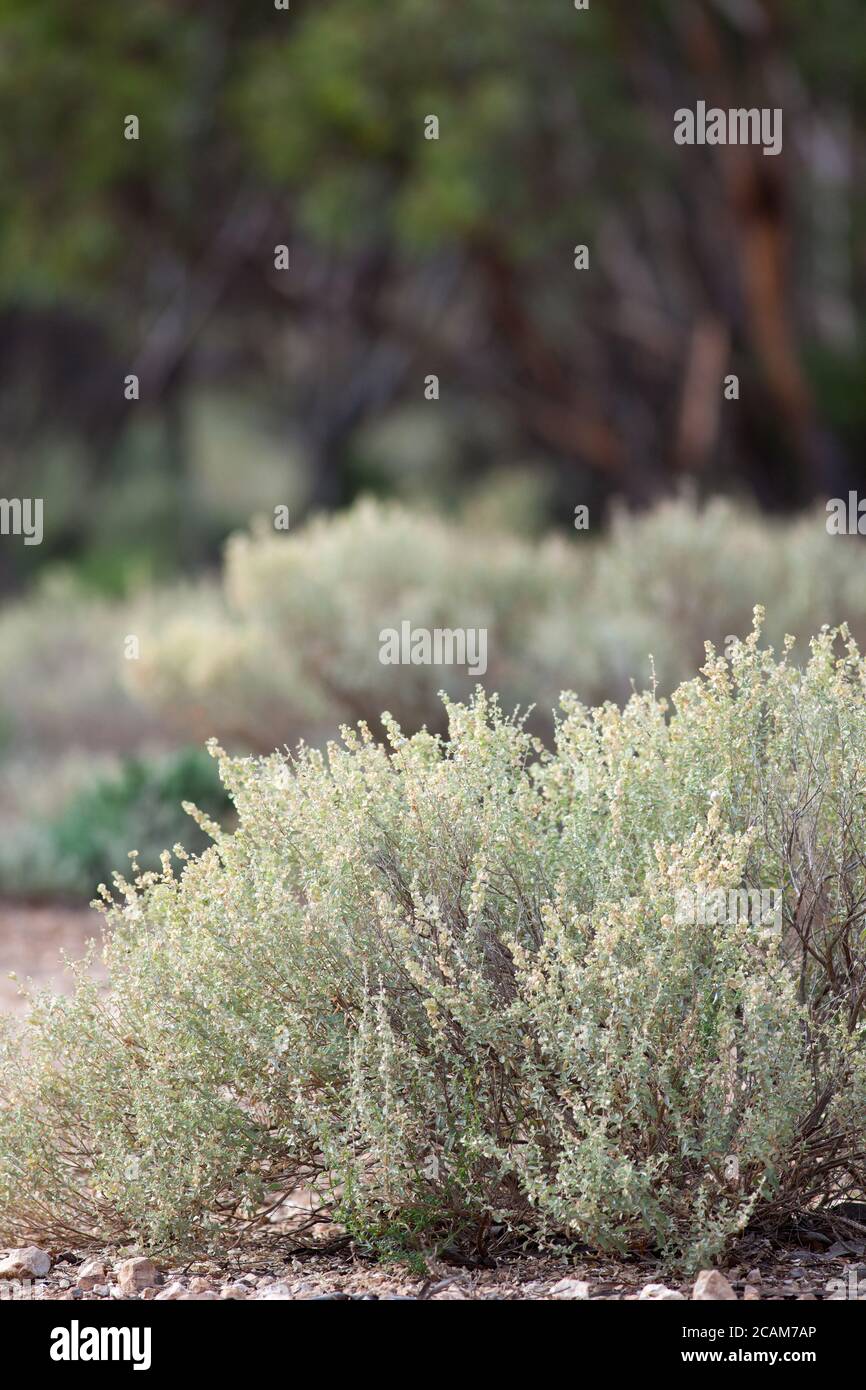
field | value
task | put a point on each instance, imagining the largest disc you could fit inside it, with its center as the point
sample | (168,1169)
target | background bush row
(285,645)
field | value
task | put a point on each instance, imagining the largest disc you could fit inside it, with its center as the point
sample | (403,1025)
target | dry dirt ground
(32,942)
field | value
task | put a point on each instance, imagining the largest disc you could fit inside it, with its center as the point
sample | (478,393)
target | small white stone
(27,1263)
(91,1273)
(136,1274)
(172,1290)
(570,1288)
(710,1285)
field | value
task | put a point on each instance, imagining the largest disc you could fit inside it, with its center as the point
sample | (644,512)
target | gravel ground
(791,1276)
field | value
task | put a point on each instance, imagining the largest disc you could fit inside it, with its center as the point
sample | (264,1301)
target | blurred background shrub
(289,646)
(285,646)
(65,851)
(139,808)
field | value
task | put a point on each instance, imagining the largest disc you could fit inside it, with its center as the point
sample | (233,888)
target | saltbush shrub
(444,982)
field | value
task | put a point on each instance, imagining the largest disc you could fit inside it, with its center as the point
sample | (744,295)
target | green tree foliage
(305,127)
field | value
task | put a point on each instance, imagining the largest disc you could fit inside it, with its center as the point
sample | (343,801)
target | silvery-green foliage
(443,982)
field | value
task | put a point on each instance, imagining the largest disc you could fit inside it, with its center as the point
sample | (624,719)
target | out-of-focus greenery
(67,725)
(570,609)
(61,651)
(290,646)
(141,809)
(286,645)
(88,833)
(327,101)
(411,256)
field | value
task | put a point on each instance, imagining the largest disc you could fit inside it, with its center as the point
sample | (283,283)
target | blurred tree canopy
(453,256)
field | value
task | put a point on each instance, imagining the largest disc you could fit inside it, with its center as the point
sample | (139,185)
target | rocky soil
(346,1275)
